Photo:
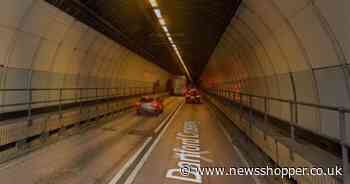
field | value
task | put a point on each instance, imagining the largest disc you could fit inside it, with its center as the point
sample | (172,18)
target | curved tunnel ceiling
(196,27)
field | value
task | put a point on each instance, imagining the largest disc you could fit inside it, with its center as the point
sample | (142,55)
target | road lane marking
(129,162)
(125,167)
(132,176)
(121,172)
(162,124)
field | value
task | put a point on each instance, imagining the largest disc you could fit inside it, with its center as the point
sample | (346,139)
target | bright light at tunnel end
(162,22)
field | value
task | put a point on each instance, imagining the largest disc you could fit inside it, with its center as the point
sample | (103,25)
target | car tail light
(156,104)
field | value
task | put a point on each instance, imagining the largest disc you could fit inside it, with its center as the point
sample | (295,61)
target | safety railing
(62,96)
(64,108)
(241,98)
(79,94)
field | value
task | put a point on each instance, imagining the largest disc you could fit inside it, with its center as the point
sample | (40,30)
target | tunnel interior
(283,62)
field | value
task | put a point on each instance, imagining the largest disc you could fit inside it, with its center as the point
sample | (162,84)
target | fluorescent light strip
(165,29)
(183,63)
(161,20)
(153,3)
(186,70)
(158,13)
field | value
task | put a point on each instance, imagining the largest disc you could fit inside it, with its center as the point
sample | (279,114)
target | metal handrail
(58,102)
(64,89)
(320,106)
(342,111)
(78,97)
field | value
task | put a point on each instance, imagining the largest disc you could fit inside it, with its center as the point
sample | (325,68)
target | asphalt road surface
(90,157)
(197,133)
(192,138)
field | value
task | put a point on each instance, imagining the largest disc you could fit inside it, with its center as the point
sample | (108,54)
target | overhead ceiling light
(153,3)
(165,29)
(162,22)
(158,13)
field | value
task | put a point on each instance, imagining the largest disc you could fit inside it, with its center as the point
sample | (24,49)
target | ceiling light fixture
(153,3)
(158,13)
(162,22)
(165,29)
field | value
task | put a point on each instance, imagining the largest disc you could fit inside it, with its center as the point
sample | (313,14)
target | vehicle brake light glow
(156,104)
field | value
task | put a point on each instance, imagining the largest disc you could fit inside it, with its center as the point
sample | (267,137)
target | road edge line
(127,165)
(164,122)
(138,167)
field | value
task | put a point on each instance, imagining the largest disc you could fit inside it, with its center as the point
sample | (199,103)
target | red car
(193,96)
(150,106)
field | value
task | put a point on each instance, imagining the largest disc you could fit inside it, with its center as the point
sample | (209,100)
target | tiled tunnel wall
(289,49)
(42,47)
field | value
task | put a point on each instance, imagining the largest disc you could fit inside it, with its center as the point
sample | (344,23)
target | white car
(149,105)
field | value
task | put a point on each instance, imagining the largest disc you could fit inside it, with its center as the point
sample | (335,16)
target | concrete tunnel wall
(43,47)
(288,49)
